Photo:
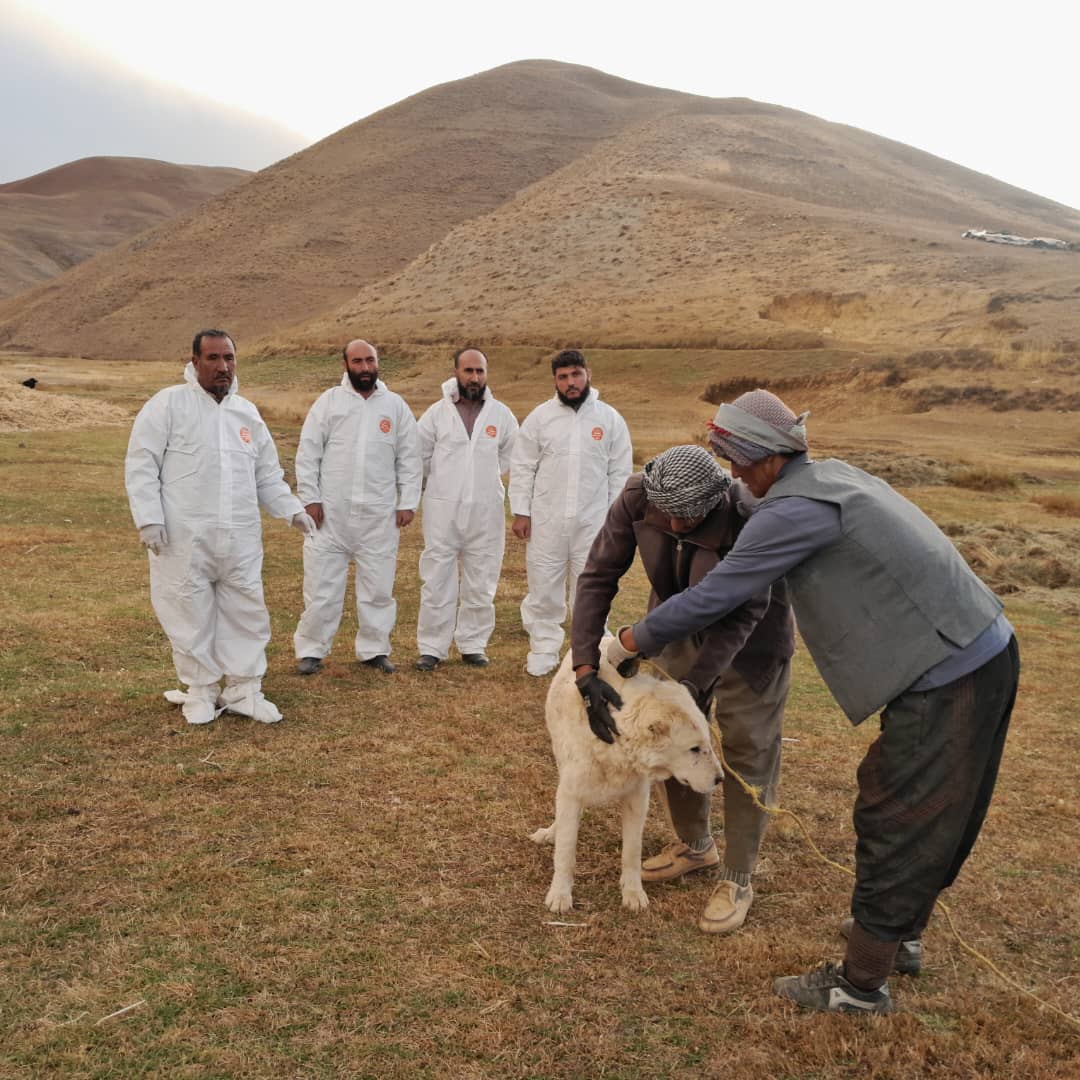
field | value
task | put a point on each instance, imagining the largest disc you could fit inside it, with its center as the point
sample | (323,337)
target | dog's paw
(543,836)
(559,900)
(634,899)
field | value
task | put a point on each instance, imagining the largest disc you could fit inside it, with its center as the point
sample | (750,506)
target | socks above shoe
(868,960)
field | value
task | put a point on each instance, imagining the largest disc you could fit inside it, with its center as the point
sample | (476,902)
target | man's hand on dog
(599,696)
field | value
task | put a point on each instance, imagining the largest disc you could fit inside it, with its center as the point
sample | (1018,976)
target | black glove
(598,695)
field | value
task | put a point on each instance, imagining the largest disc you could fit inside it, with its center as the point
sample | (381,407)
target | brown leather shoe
(676,859)
(727,908)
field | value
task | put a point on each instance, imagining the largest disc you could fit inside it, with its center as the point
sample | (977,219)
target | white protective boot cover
(245,698)
(540,664)
(198,703)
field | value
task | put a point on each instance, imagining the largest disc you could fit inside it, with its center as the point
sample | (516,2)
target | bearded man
(358,472)
(571,459)
(466,439)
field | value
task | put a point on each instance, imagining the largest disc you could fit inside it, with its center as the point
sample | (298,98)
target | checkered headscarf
(685,482)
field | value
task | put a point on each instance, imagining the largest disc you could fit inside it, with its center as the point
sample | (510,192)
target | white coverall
(568,467)
(360,458)
(464,518)
(203,469)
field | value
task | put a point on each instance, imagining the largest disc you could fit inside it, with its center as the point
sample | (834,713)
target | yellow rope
(777,811)
(755,796)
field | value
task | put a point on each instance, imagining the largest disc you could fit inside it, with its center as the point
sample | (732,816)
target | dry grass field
(352,892)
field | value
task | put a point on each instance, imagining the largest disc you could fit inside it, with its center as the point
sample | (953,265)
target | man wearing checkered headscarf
(684,482)
(681,513)
(896,622)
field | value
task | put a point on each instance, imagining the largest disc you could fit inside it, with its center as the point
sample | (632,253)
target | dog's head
(669,732)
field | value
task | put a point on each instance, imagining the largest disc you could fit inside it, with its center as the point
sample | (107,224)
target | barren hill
(542,202)
(734,224)
(304,235)
(51,221)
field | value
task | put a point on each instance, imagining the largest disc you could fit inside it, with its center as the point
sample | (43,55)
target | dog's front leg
(567,819)
(634,809)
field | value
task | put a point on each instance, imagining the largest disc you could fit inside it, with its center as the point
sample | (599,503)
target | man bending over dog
(682,514)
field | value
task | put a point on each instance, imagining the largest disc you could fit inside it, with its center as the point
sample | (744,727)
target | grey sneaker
(427,662)
(908,956)
(676,859)
(826,990)
(475,659)
(308,665)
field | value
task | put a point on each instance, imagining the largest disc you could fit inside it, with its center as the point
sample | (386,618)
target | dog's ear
(659,728)
(658,720)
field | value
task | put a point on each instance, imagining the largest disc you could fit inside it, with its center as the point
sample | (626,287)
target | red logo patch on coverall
(245,434)
(491,431)
(597,433)
(384,426)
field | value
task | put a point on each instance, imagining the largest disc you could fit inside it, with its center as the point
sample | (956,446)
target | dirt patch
(1063,505)
(982,478)
(23,409)
(813,305)
(729,389)
(996,398)
(960,359)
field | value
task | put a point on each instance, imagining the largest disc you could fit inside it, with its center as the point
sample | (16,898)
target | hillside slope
(56,219)
(305,234)
(738,225)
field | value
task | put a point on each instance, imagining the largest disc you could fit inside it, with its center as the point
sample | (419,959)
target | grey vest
(886,602)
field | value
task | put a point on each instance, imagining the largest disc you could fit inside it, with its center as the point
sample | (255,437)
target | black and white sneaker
(826,990)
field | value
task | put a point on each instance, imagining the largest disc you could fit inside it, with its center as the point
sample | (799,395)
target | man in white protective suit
(466,439)
(358,474)
(200,463)
(571,459)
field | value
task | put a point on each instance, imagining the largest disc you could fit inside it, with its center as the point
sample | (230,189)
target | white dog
(662,733)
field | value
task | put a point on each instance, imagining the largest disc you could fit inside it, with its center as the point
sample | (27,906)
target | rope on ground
(777,811)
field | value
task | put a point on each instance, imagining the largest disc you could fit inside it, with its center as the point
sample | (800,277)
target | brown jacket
(755,639)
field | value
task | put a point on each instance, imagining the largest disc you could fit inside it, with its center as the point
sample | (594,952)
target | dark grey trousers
(924,789)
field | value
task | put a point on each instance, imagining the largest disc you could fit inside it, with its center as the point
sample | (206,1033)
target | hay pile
(23,409)
(1012,559)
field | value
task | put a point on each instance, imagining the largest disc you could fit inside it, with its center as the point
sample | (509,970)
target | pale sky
(988,84)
